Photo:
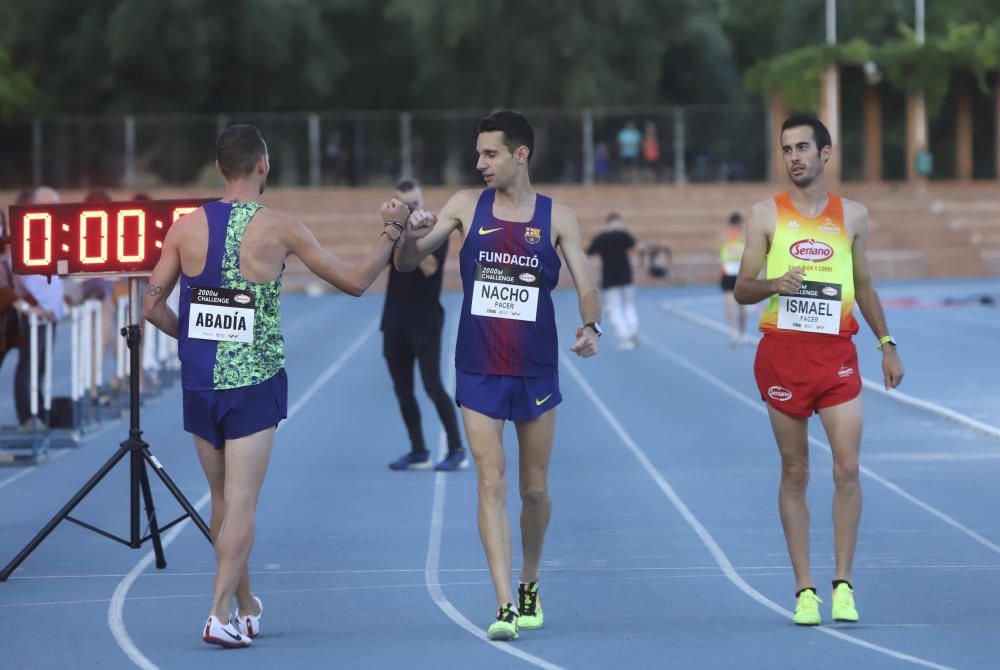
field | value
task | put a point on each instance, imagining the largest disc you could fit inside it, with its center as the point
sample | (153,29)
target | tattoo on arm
(154,290)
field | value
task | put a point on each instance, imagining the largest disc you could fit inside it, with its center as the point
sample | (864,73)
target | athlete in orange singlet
(814,244)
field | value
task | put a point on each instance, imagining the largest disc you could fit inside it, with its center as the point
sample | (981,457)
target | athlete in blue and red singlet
(507,352)
(229,256)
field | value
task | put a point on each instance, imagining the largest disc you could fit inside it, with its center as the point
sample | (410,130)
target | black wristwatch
(594,326)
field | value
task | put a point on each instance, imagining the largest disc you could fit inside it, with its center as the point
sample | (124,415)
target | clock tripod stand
(139,458)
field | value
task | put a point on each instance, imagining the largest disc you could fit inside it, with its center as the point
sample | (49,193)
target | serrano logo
(241,298)
(526,277)
(811,250)
(830,291)
(779,393)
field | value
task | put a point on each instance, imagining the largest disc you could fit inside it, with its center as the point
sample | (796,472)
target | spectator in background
(49,294)
(613,245)
(602,163)
(730,255)
(651,153)
(335,157)
(15,302)
(629,139)
(412,320)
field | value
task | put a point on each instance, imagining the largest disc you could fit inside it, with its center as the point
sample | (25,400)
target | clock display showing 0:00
(92,238)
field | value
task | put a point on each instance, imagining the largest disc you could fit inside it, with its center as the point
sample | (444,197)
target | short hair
(820,132)
(97,195)
(25,196)
(735,219)
(238,149)
(406,185)
(612,216)
(517,132)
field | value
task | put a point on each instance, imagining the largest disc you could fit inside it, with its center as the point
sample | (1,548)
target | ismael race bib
(220,314)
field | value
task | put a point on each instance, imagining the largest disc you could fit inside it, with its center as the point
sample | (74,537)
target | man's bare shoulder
(186,224)
(465,200)
(562,212)
(854,210)
(763,208)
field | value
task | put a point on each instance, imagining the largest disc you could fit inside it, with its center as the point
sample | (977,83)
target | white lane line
(432,576)
(904,398)
(116,616)
(933,457)
(759,407)
(603,569)
(84,439)
(27,471)
(706,538)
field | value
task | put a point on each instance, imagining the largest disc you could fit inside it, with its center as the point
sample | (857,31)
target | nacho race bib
(815,308)
(505,292)
(221,314)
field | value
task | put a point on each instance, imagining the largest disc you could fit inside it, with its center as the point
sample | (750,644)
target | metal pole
(33,366)
(680,167)
(315,177)
(47,383)
(36,153)
(406,144)
(831,22)
(587,123)
(130,151)
(920,22)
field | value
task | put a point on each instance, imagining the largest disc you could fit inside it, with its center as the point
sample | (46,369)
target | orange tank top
(821,246)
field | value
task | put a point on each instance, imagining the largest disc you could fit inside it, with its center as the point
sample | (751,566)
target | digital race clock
(92,238)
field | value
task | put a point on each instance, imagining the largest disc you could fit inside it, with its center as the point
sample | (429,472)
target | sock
(837,582)
(808,588)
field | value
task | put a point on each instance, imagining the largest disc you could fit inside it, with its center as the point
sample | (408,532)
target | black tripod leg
(154,528)
(169,483)
(62,514)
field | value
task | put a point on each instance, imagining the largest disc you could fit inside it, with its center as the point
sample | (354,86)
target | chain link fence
(676,144)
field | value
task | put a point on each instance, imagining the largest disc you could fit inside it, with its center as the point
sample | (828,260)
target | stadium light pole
(830,97)
(918,113)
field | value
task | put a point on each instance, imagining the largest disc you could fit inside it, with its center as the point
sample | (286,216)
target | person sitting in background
(655,259)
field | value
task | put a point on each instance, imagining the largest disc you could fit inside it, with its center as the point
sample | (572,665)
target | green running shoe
(505,627)
(842,608)
(807,609)
(529,605)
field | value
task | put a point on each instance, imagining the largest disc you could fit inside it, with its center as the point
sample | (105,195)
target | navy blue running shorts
(505,397)
(217,416)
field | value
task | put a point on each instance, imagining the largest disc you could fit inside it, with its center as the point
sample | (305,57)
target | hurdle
(16,445)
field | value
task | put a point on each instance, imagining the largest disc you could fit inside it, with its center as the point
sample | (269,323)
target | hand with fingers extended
(420,223)
(789,283)
(586,342)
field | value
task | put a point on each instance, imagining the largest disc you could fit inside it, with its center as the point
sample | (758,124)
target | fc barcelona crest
(532,235)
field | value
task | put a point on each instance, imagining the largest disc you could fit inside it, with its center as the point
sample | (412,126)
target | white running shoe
(224,634)
(248,624)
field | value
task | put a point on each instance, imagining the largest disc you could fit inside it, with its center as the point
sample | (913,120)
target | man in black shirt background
(412,320)
(613,245)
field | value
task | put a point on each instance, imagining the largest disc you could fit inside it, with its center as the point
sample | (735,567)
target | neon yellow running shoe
(505,627)
(807,609)
(842,608)
(529,605)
